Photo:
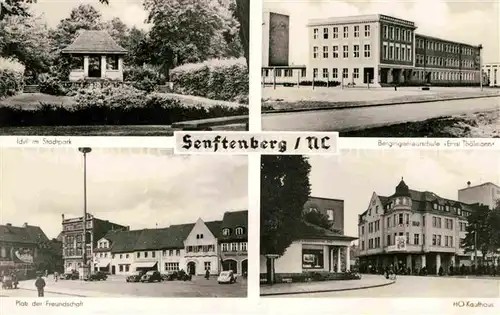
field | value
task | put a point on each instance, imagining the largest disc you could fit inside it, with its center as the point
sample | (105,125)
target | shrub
(144,78)
(320,83)
(51,85)
(225,80)
(110,96)
(11,82)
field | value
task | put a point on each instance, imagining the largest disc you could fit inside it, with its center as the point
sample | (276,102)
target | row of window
(238,230)
(443,61)
(436,240)
(345,32)
(234,247)
(444,47)
(396,33)
(448,208)
(200,249)
(445,76)
(345,51)
(72,252)
(76,226)
(335,73)
(287,73)
(494,82)
(398,52)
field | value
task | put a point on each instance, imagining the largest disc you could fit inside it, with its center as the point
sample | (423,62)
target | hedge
(144,78)
(218,79)
(11,82)
(111,105)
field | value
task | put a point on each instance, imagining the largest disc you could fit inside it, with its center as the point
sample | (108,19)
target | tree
(243,16)
(186,31)
(118,30)
(318,218)
(478,231)
(285,188)
(50,255)
(494,226)
(20,7)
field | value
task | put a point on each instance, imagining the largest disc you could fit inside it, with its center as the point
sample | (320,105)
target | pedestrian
(15,282)
(40,285)
(46,273)
(56,275)
(207,274)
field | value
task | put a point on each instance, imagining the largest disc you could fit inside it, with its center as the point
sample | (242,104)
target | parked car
(226,277)
(74,275)
(98,276)
(183,276)
(170,276)
(135,277)
(151,276)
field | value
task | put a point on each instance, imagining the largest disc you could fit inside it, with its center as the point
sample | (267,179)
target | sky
(131,12)
(469,21)
(128,187)
(355,174)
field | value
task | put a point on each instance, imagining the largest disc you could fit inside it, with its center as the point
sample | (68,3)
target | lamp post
(85,151)
(475,245)
(480,67)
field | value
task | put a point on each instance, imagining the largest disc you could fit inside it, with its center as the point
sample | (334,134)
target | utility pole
(475,245)
(84,254)
(480,68)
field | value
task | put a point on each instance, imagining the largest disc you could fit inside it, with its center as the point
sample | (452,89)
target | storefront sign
(25,255)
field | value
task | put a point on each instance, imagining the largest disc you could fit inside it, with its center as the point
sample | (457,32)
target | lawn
(31,101)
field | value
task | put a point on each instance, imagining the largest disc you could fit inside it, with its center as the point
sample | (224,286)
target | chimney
(25,224)
(468,184)
(62,215)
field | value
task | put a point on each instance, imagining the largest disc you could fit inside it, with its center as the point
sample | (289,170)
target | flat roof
(483,184)
(360,18)
(445,40)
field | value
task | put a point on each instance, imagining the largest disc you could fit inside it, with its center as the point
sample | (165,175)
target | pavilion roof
(95,42)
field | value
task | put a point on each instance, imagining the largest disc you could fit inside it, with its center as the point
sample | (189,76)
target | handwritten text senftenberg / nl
(222,143)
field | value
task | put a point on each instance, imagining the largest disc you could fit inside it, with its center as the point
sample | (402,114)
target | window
(356,51)
(145,254)
(325,52)
(234,247)
(367,55)
(388,240)
(315,33)
(416,239)
(438,240)
(400,218)
(335,73)
(277,72)
(345,73)
(303,72)
(407,219)
(385,51)
(315,52)
(388,222)
(335,51)
(362,230)
(325,33)
(409,54)
(315,72)
(172,266)
(126,256)
(312,258)
(397,33)
(434,239)
(325,73)
(423,239)
(362,245)
(244,246)
(385,31)
(397,53)
(391,32)
(112,62)
(138,255)
(407,238)
(356,73)
(446,240)
(403,53)
(391,52)
(346,31)
(403,35)
(346,51)
(335,32)
(207,265)
(177,252)
(367,30)
(225,247)
(120,267)
(356,31)
(239,231)
(451,241)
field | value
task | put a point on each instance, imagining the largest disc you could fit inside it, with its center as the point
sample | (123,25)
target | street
(367,117)
(116,286)
(423,287)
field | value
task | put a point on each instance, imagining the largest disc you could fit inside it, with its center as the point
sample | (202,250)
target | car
(151,276)
(98,276)
(226,277)
(170,276)
(74,275)
(135,277)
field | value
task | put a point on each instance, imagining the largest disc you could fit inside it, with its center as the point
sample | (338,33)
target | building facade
(20,247)
(194,248)
(491,72)
(316,248)
(487,194)
(413,229)
(73,238)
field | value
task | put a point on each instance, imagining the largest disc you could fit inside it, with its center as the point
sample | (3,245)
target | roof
(444,40)
(123,241)
(214,227)
(360,19)
(94,42)
(233,220)
(28,234)
(480,185)
(306,230)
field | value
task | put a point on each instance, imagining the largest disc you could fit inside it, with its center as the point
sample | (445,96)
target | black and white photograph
(124,223)
(123,68)
(381,68)
(381,224)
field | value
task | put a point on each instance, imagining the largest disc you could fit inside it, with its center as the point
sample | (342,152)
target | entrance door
(191,268)
(95,66)
(230,265)
(244,267)
(113,270)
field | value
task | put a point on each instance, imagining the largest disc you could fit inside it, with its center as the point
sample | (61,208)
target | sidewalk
(52,287)
(366,281)
(288,99)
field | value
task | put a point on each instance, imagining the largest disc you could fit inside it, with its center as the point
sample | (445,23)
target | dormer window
(312,209)
(239,231)
(435,206)
(226,232)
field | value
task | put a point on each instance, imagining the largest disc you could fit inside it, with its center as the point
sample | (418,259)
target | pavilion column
(338,259)
(120,63)
(332,265)
(103,67)
(86,66)
(348,258)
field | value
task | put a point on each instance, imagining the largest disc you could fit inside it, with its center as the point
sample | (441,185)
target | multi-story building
(72,238)
(194,247)
(487,194)
(233,241)
(361,49)
(20,247)
(491,72)
(414,229)
(316,248)
(439,61)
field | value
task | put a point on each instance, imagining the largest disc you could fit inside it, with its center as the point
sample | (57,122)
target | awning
(144,265)
(102,264)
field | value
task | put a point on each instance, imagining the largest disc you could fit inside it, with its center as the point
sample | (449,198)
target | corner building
(413,229)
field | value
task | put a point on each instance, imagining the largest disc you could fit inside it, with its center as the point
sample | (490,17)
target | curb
(292,110)
(329,290)
(211,122)
(53,292)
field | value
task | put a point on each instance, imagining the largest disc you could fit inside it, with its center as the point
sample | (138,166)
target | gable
(200,235)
